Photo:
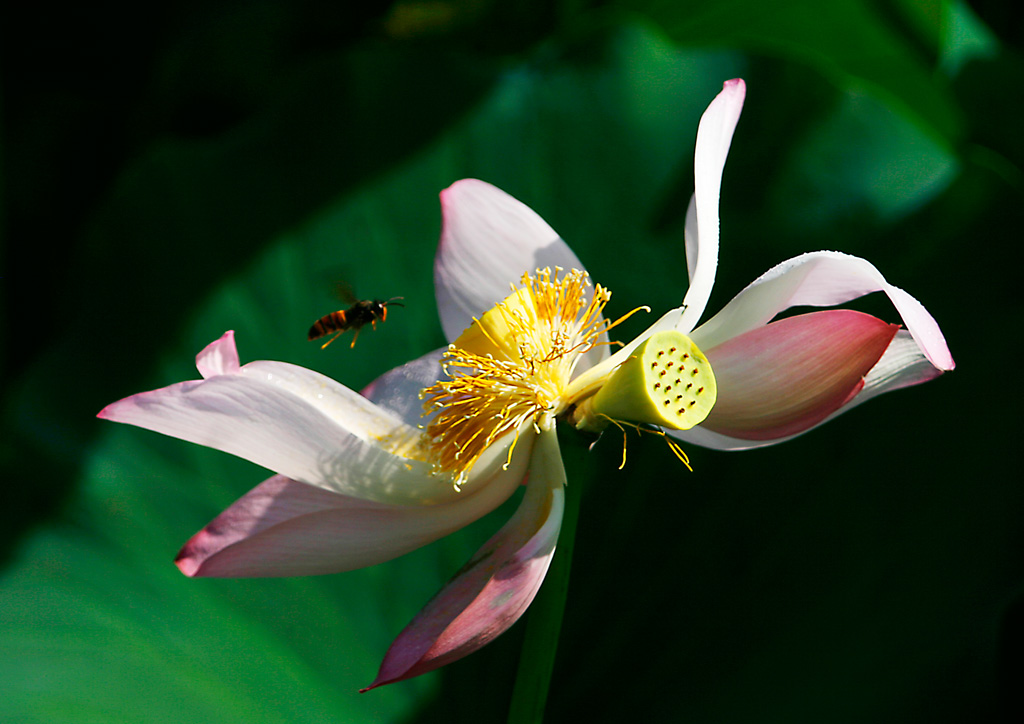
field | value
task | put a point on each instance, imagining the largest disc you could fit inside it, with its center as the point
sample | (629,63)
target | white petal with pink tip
(493,590)
(488,241)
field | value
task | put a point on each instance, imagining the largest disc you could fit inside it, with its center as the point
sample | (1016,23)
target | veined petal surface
(493,590)
(488,240)
(783,378)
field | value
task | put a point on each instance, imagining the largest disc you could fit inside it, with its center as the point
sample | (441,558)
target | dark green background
(168,175)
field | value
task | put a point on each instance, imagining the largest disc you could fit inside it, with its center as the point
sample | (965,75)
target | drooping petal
(783,378)
(219,357)
(714,135)
(902,365)
(286,528)
(820,278)
(398,390)
(294,422)
(488,241)
(493,590)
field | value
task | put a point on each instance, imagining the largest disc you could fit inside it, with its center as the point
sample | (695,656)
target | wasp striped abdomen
(363,312)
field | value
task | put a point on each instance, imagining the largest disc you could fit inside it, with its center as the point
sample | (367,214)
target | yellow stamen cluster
(512,366)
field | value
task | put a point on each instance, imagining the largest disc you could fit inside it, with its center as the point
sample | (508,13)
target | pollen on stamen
(512,366)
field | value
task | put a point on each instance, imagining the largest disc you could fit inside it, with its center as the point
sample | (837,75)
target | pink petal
(286,528)
(488,241)
(220,357)
(714,135)
(818,279)
(783,378)
(901,366)
(493,590)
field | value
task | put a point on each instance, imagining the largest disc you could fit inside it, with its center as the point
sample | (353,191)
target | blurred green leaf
(847,41)
(855,574)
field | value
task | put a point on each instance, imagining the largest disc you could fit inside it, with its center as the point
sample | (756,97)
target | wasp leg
(354,338)
(324,345)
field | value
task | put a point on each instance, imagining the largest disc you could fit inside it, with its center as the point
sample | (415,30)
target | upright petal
(819,279)
(488,240)
(493,590)
(714,135)
(785,377)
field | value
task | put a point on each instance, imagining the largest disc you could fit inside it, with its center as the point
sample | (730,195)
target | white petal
(714,135)
(398,391)
(488,241)
(817,279)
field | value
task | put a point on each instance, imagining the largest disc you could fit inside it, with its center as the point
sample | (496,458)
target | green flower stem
(544,619)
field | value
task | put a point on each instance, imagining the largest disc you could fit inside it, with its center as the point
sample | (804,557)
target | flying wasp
(365,311)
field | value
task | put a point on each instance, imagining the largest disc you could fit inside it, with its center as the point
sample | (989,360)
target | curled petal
(488,239)
(493,590)
(902,365)
(286,528)
(219,357)
(783,378)
(821,278)
(714,135)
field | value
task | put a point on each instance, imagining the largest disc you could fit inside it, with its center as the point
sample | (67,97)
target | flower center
(512,366)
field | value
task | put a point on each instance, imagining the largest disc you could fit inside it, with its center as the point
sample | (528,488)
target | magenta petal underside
(785,377)
(489,593)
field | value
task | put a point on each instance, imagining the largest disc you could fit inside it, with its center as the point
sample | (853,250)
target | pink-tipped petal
(714,135)
(901,366)
(781,379)
(488,241)
(493,590)
(294,422)
(821,278)
(219,357)
(286,528)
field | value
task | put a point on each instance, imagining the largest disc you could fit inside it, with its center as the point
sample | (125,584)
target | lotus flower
(437,443)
